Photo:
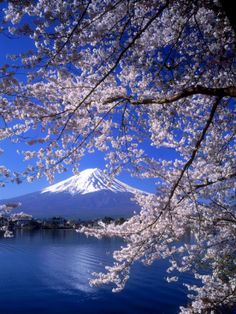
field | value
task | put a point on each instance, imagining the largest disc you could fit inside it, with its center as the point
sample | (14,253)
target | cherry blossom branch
(229,91)
(186,166)
(230,176)
(70,34)
(197,146)
(119,58)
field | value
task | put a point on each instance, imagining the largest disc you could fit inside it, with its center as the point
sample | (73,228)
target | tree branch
(70,34)
(229,91)
(114,66)
(197,146)
(230,176)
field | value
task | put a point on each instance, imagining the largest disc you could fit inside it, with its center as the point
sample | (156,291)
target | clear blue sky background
(95,160)
(14,161)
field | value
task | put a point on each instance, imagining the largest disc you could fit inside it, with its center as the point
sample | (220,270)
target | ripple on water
(48,271)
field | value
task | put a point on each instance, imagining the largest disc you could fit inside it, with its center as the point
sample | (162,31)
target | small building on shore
(21,220)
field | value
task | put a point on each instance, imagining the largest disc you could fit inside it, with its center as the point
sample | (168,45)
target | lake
(47,271)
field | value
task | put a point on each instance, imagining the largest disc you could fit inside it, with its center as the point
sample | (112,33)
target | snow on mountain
(89,195)
(88,181)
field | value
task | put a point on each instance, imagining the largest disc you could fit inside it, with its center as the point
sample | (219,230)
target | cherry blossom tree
(133,79)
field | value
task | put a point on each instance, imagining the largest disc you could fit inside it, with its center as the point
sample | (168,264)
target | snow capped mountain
(88,181)
(89,195)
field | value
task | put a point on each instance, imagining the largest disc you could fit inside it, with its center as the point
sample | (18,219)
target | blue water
(47,272)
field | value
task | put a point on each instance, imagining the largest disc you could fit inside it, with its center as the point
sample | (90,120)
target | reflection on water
(47,272)
(76,262)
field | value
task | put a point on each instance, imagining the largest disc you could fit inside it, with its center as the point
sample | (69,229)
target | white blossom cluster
(134,79)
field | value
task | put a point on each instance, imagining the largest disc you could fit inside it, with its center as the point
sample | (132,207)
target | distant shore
(53,223)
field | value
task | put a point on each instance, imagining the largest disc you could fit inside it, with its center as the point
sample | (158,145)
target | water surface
(47,271)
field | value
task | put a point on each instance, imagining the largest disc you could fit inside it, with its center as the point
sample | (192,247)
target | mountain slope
(90,180)
(88,195)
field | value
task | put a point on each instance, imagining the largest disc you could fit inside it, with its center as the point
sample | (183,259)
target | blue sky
(14,161)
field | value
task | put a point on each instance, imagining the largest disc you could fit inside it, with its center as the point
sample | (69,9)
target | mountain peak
(88,181)
(90,171)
